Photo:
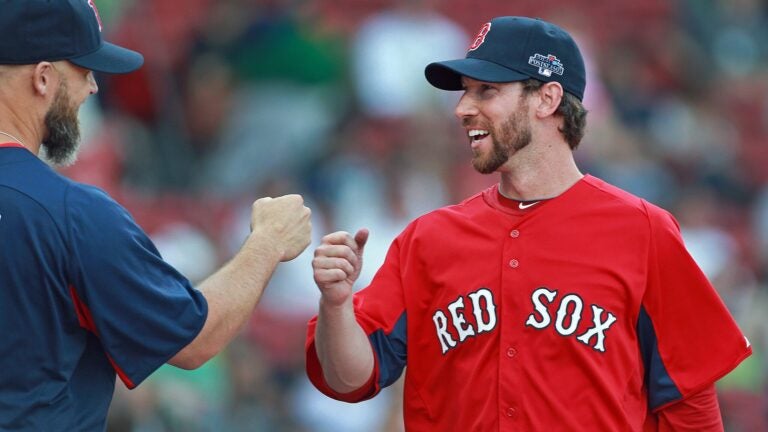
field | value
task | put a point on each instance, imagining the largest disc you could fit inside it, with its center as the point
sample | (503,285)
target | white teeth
(476,132)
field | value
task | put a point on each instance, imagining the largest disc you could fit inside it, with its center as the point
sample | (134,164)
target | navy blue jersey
(84,295)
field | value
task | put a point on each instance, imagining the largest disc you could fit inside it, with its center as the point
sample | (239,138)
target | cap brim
(446,75)
(110,58)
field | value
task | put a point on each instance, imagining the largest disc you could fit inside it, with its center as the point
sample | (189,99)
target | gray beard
(63,139)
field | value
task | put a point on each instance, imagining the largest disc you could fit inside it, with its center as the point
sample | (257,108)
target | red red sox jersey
(579,313)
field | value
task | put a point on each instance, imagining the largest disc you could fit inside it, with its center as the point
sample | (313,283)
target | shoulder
(30,183)
(91,210)
(447,220)
(29,176)
(463,210)
(613,198)
(30,179)
(91,198)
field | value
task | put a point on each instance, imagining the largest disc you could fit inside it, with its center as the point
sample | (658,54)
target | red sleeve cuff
(700,412)
(315,375)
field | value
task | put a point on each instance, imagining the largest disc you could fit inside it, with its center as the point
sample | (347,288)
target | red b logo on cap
(95,12)
(480,38)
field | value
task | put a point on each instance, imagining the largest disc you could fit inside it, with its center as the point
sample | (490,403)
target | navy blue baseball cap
(53,30)
(509,49)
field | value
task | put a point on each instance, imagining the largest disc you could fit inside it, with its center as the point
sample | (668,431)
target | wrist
(262,245)
(334,304)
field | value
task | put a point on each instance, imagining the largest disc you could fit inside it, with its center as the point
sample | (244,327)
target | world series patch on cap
(510,49)
(53,30)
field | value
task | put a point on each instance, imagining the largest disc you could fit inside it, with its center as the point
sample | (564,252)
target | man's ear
(44,79)
(550,96)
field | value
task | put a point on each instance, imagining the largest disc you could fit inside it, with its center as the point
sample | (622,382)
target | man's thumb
(361,238)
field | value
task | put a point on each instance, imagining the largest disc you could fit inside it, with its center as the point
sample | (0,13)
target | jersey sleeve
(142,310)
(381,311)
(700,412)
(688,339)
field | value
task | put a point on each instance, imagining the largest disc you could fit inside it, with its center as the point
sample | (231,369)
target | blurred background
(240,99)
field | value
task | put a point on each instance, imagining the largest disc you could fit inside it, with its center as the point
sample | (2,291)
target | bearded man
(84,294)
(551,301)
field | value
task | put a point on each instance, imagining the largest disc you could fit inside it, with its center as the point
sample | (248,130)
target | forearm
(232,293)
(342,348)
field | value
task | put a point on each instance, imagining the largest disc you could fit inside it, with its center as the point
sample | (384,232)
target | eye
(486,87)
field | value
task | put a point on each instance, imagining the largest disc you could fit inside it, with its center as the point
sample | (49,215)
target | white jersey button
(511,412)
(514,263)
(514,233)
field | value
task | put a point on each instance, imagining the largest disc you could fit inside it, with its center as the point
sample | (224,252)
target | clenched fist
(284,223)
(337,264)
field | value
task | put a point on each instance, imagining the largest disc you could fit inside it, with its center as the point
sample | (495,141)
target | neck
(11,130)
(539,173)
(16,140)
(20,118)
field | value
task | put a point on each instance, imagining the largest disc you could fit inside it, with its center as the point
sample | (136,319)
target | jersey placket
(513,264)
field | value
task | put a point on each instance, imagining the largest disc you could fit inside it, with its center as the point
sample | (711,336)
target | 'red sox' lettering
(483,310)
(569,315)
(540,318)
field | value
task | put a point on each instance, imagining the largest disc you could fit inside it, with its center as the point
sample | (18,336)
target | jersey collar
(495,199)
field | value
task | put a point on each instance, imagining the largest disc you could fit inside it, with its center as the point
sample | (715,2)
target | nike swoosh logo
(525,206)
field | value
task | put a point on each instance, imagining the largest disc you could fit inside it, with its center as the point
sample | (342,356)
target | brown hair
(573,112)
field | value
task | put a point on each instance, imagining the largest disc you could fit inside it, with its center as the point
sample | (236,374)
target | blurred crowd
(240,99)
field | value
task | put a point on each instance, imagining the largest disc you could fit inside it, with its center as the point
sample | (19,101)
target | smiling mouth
(477,134)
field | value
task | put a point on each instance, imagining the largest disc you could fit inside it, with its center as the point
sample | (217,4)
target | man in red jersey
(550,302)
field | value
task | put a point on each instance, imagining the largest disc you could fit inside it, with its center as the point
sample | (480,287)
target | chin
(483,169)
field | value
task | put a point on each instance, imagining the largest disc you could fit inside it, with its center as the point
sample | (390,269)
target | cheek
(497,112)
(77,100)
